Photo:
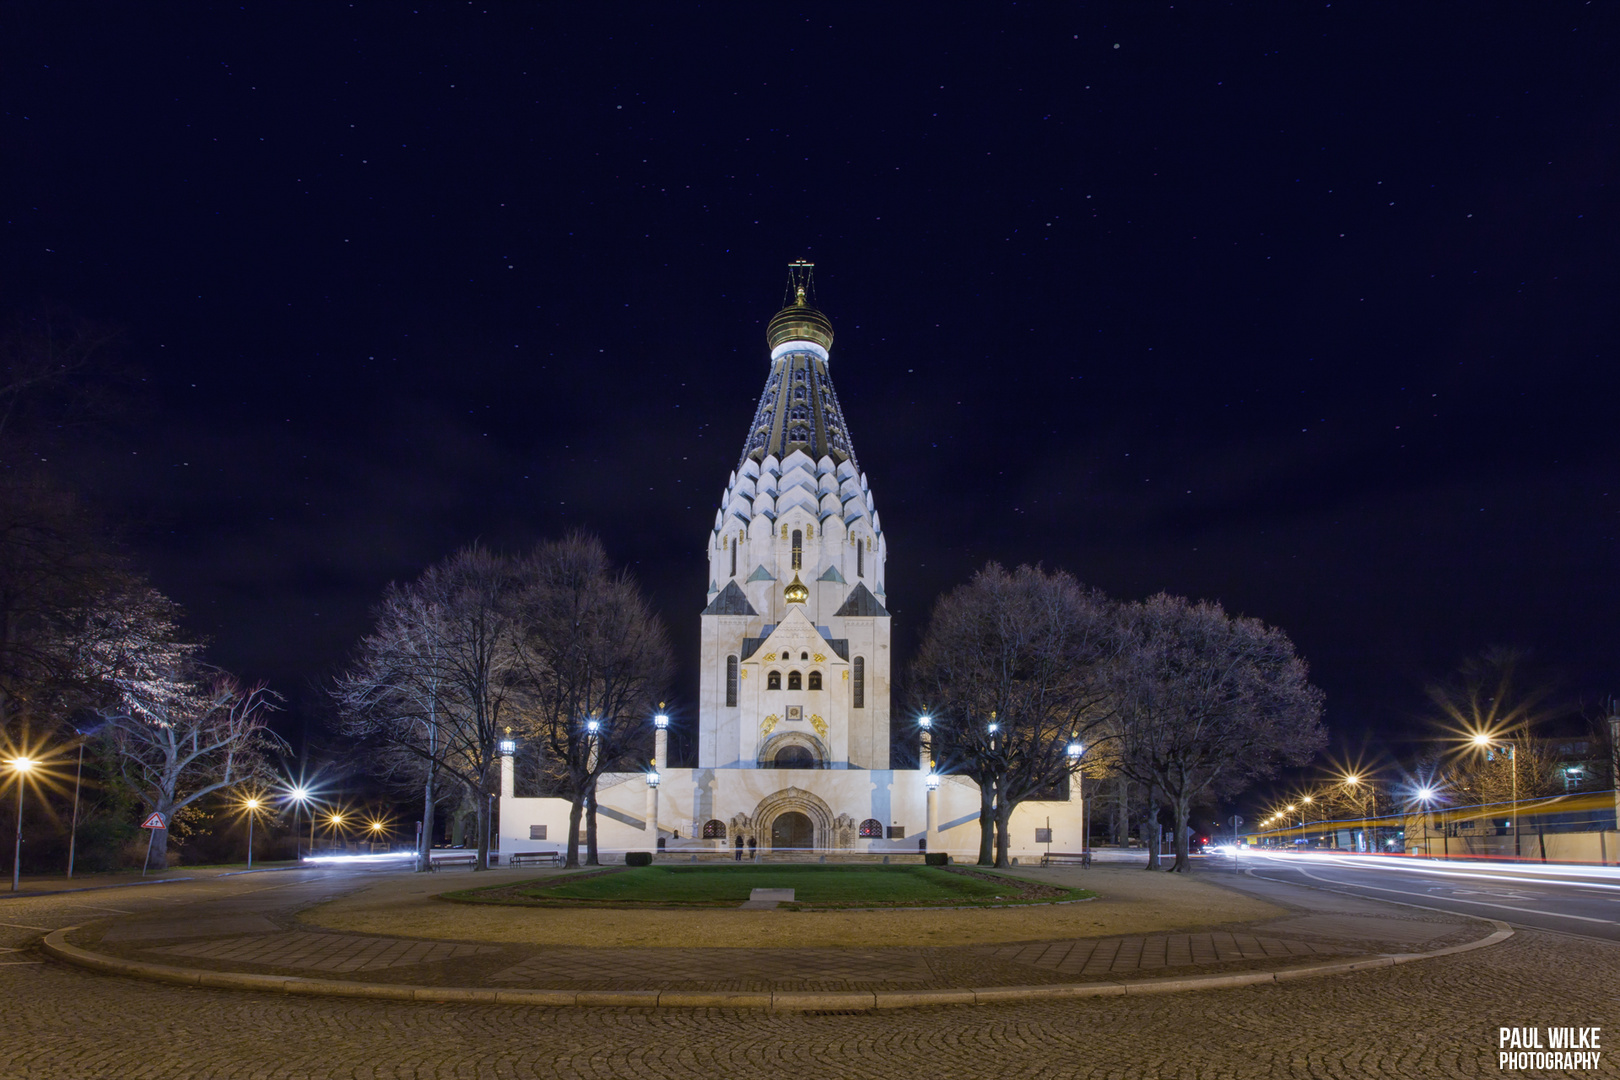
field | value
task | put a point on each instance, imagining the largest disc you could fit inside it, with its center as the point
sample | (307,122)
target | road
(1564,899)
(1435,1019)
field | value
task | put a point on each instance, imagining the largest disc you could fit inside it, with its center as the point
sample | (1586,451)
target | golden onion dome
(797,592)
(800,322)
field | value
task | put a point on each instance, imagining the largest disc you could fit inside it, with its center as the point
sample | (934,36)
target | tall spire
(799,321)
(799,409)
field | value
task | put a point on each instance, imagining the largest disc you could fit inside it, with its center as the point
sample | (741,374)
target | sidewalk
(51,884)
(253,941)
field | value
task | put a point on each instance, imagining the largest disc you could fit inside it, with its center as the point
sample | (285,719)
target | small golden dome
(797,592)
(800,322)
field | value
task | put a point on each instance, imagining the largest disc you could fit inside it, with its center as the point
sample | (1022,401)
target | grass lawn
(814,886)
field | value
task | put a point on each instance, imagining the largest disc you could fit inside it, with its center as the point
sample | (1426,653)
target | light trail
(1581,877)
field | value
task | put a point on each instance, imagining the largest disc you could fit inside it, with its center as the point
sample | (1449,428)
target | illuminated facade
(794,716)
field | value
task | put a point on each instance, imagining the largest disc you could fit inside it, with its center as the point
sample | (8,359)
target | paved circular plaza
(1432,1018)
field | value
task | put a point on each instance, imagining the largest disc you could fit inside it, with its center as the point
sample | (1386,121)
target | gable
(861,603)
(731,601)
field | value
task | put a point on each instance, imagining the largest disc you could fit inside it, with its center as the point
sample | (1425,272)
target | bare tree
(56,573)
(187,732)
(1208,703)
(594,660)
(437,676)
(1013,670)
(394,698)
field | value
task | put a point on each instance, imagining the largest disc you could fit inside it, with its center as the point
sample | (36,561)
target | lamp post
(593,732)
(73,829)
(300,795)
(930,779)
(660,749)
(1426,796)
(21,766)
(1487,743)
(1075,751)
(1307,800)
(508,749)
(251,805)
(1353,782)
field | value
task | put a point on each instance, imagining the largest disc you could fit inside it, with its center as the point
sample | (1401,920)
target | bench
(519,858)
(1057,858)
(470,861)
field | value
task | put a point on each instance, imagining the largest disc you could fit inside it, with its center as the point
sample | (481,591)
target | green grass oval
(814,886)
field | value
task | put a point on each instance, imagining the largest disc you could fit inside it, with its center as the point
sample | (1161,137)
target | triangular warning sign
(153,822)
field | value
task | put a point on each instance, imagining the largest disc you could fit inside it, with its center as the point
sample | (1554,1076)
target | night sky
(1308,309)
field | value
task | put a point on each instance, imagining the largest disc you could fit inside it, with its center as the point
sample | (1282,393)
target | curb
(55,945)
(94,888)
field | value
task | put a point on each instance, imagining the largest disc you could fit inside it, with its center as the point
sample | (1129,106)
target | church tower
(795,644)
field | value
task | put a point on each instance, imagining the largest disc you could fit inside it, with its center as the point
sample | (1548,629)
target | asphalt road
(1565,899)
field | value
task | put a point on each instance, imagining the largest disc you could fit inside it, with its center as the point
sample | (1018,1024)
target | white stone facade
(794,716)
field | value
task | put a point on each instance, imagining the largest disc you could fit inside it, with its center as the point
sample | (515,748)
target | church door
(792,830)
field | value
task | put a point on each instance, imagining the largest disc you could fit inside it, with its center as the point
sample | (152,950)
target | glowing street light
(21,766)
(299,795)
(1487,743)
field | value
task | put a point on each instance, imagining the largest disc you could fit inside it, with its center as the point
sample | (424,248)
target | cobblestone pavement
(251,927)
(1433,1019)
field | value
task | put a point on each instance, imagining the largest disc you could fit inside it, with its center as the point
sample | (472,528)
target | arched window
(794,757)
(714,829)
(733,546)
(860,682)
(804,656)
(815,680)
(731,681)
(860,560)
(773,681)
(798,550)
(871,829)
(795,681)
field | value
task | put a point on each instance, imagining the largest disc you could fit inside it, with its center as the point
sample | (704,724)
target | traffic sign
(154,822)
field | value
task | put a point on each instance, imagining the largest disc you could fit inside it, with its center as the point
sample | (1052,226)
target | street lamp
(1427,795)
(22,766)
(1486,743)
(1353,782)
(299,796)
(251,805)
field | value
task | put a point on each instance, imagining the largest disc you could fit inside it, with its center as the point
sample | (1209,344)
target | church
(794,719)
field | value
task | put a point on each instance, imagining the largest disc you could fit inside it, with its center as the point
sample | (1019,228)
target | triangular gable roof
(731,601)
(795,623)
(832,574)
(861,602)
(760,574)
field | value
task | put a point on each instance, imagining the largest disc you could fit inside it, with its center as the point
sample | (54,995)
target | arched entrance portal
(792,830)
